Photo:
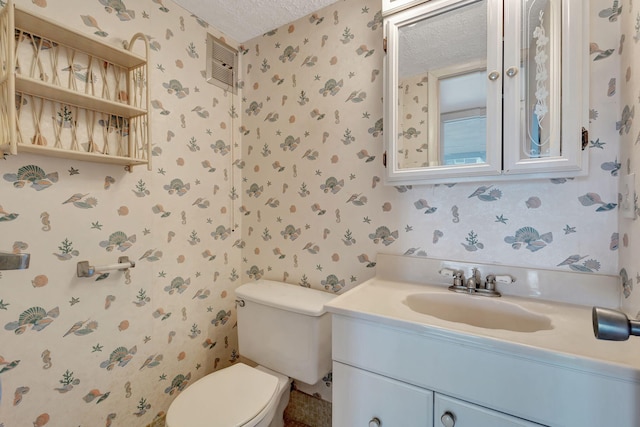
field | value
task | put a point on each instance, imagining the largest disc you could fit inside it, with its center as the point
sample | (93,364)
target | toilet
(283,328)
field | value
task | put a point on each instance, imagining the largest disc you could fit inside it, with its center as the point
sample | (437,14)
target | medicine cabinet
(485,90)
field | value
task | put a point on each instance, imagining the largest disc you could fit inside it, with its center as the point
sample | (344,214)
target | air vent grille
(222,64)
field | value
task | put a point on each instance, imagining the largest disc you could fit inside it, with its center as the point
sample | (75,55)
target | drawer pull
(375,422)
(448,419)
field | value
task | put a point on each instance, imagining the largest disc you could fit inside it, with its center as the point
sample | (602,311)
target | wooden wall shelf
(66,94)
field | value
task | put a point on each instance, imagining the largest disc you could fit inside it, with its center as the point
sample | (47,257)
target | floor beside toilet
(305,410)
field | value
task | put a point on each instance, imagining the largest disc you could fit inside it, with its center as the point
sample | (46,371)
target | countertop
(571,343)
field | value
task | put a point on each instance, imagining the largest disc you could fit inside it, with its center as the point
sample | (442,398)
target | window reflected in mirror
(463,118)
(442,89)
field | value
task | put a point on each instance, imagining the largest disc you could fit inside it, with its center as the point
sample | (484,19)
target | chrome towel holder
(86,270)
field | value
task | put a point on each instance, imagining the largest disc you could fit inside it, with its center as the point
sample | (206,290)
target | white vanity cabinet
(485,90)
(363,398)
(387,371)
(371,389)
(391,353)
(450,412)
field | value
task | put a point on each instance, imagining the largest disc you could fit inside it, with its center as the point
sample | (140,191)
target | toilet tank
(285,328)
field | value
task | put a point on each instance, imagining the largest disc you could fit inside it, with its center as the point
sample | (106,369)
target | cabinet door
(450,412)
(361,397)
(443,91)
(545,86)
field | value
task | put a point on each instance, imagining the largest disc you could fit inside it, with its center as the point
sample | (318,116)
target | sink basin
(483,312)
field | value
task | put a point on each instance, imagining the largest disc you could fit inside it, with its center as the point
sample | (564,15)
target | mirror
(463,103)
(442,93)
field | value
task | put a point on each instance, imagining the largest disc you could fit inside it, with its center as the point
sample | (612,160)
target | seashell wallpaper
(282,181)
(115,349)
(317,211)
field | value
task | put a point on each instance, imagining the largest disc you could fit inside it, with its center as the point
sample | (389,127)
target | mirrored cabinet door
(443,90)
(544,67)
(486,90)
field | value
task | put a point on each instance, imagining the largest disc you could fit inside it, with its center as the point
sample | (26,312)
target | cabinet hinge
(585,139)
(384,159)
(384,44)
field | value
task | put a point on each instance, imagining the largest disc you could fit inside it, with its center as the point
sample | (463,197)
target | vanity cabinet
(383,368)
(363,398)
(485,90)
(450,412)
(69,95)
(495,375)
(373,382)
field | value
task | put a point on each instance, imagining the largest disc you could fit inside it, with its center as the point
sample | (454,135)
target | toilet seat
(233,396)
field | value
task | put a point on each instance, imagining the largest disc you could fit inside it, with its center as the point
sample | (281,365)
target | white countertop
(571,342)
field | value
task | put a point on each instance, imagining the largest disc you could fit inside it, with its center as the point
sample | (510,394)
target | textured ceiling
(243,20)
(456,37)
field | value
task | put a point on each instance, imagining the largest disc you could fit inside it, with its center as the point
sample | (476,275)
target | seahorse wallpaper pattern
(116,349)
(316,209)
(414,123)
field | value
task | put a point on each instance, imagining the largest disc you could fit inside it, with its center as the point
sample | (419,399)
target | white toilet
(285,329)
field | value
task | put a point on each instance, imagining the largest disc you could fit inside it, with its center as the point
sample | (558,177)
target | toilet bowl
(287,331)
(236,396)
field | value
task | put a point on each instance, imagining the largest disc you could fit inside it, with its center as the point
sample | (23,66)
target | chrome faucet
(474,285)
(475,281)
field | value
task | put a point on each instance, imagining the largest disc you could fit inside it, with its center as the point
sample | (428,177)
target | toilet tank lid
(286,296)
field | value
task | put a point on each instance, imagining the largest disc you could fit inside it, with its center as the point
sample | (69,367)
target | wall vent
(222,64)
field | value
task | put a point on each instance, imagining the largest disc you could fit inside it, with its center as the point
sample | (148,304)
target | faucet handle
(490,282)
(458,278)
(457,275)
(504,278)
(492,279)
(448,272)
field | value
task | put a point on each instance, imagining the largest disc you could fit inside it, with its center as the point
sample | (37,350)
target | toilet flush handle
(240,302)
(375,422)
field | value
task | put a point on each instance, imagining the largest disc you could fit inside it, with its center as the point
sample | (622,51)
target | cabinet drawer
(468,415)
(359,396)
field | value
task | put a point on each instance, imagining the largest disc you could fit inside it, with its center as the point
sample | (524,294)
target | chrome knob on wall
(613,325)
